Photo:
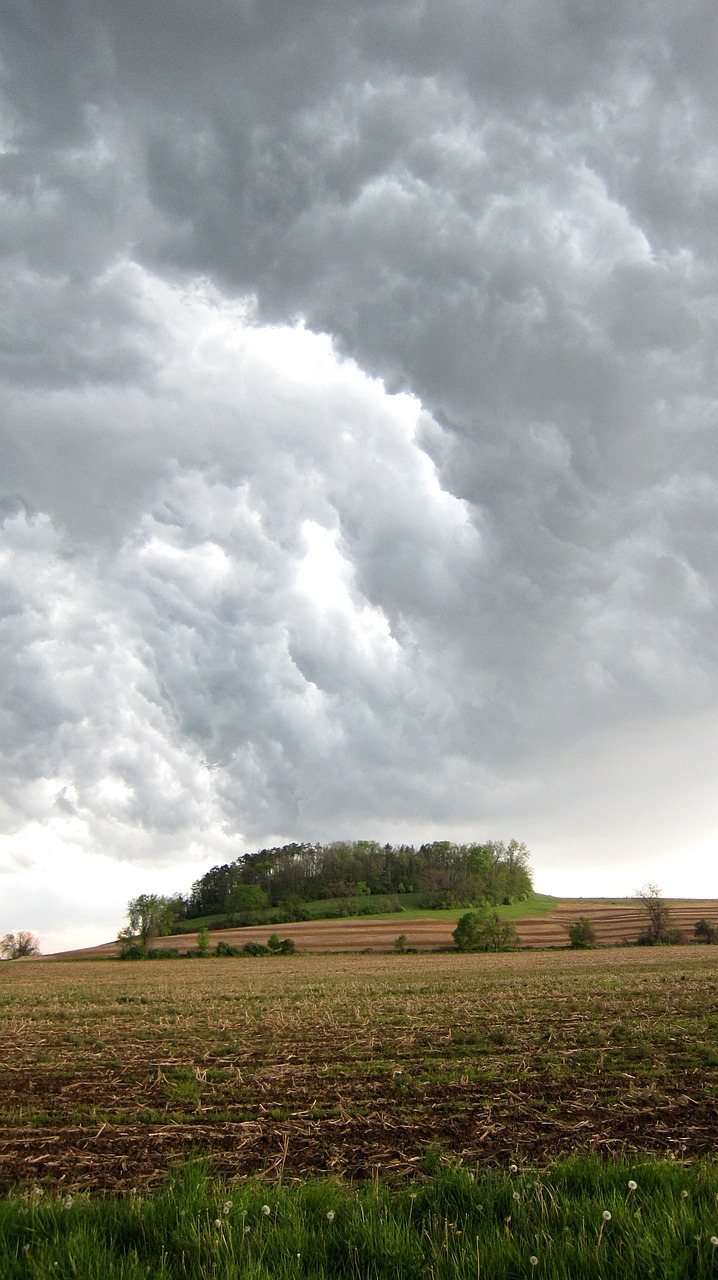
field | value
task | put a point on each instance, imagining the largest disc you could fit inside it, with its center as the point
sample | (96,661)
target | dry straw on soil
(353,1063)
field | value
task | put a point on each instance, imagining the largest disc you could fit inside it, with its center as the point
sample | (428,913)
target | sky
(358,439)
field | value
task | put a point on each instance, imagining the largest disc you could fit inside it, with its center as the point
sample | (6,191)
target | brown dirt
(350,1063)
(615,923)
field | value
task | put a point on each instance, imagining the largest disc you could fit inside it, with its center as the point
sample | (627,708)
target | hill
(616,921)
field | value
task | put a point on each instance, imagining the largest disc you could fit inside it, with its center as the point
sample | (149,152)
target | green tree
(469,932)
(704,931)
(203,940)
(581,934)
(482,930)
(246,900)
(499,935)
(149,916)
(15,945)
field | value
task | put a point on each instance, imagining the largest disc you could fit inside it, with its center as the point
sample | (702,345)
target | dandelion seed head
(632,1185)
(226,1207)
(513,1168)
(607,1215)
(714,1240)
(266,1210)
(218,1222)
(330,1215)
(533,1260)
(516,1195)
(684,1195)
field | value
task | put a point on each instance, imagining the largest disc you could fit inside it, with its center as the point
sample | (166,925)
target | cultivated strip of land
(615,923)
(350,1064)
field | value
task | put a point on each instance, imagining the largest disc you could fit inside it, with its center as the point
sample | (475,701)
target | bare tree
(15,945)
(657,913)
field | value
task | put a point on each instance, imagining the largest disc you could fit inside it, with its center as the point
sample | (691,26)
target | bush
(704,931)
(281,946)
(133,951)
(581,934)
(225,949)
(255,949)
(479,931)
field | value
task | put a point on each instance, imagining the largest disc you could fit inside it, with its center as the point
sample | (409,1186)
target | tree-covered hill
(440,874)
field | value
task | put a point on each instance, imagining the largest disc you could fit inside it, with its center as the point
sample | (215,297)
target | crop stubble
(349,1064)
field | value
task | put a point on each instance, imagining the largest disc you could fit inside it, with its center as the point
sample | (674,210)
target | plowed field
(353,1063)
(614,922)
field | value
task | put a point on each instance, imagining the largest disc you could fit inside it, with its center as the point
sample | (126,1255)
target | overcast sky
(358,439)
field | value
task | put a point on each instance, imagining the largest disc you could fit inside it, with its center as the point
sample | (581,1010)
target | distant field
(543,922)
(353,1063)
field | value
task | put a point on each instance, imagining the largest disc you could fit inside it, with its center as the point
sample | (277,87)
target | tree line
(444,874)
(284,879)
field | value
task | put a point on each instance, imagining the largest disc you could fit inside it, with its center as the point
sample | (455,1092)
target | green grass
(447,1224)
(538,904)
(379,907)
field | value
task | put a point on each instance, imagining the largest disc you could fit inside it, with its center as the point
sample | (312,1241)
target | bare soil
(349,1064)
(615,924)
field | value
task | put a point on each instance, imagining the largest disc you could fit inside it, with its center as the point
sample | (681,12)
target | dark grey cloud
(509,214)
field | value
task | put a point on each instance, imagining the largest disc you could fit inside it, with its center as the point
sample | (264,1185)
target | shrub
(704,931)
(133,951)
(226,949)
(479,931)
(280,946)
(255,949)
(581,934)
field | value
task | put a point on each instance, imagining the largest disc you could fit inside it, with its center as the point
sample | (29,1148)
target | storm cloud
(357,430)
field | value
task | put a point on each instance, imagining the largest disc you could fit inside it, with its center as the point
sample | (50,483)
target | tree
(657,913)
(150,916)
(245,900)
(581,934)
(15,945)
(499,935)
(705,931)
(480,931)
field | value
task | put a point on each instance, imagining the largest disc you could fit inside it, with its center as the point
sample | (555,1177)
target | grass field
(580,1218)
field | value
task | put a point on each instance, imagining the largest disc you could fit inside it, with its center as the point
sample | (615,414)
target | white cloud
(248,592)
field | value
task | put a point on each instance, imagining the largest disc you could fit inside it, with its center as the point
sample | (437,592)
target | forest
(442,874)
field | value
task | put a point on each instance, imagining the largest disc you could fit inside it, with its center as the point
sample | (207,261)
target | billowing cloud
(358,392)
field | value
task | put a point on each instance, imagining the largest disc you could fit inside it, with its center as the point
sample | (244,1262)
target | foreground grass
(578,1218)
